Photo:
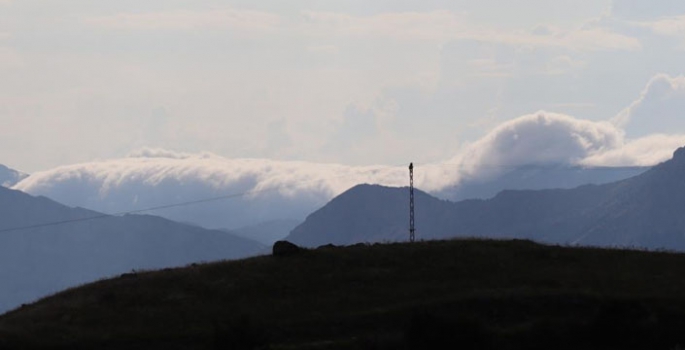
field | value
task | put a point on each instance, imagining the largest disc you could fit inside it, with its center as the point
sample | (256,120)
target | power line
(137,211)
(166,206)
(251,192)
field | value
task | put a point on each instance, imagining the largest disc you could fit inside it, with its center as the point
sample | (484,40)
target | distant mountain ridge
(49,257)
(537,177)
(106,187)
(10,177)
(646,211)
(266,232)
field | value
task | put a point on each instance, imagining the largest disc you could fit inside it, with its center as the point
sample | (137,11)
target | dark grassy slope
(477,294)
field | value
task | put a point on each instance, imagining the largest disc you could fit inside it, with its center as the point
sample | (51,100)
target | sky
(348,82)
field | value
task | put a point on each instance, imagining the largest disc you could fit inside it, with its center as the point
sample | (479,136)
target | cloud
(439,25)
(598,39)
(671,26)
(645,151)
(659,108)
(260,190)
(163,153)
(253,21)
(442,26)
(291,190)
(551,138)
(642,10)
(274,189)
(539,138)
(563,64)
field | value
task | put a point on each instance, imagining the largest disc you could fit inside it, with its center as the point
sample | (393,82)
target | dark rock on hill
(285,248)
(646,211)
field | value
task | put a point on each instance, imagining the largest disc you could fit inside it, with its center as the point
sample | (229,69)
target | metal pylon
(411,202)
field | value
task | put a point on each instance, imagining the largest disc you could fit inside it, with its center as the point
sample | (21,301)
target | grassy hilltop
(470,294)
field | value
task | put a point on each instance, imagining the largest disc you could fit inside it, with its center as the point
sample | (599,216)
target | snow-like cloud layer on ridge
(148,178)
(289,189)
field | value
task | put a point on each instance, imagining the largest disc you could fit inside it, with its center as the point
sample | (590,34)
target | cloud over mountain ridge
(275,190)
(271,189)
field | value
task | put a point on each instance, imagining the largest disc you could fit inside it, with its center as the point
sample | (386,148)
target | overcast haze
(349,82)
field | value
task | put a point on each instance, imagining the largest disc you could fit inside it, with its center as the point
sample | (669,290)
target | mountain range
(106,188)
(536,177)
(645,211)
(46,246)
(38,257)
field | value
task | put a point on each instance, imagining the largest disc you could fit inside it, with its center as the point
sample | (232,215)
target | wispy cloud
(671,26)
(658,109)
(442,26)
(645,151)
(437,25)
(246,20)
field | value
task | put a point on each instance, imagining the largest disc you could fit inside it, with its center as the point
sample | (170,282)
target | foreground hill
(44,258)
(449,294)
(645,211)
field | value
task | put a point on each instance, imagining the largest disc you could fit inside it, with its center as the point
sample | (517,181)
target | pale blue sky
(354,82)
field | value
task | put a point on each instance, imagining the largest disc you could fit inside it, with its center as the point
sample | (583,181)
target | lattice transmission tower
(411,202)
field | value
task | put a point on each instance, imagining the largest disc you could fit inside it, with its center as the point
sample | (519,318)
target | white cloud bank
(150,178)
(288,189)
(291,190)
(540,138)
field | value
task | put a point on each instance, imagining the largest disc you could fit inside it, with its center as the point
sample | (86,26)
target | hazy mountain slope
(647,211)
(38,261)
(368,213)
(267,232)
(10,177)
(537,177)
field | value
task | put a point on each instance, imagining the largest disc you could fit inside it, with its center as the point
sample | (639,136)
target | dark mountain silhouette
(9,177)
(47,258)
(646,211)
